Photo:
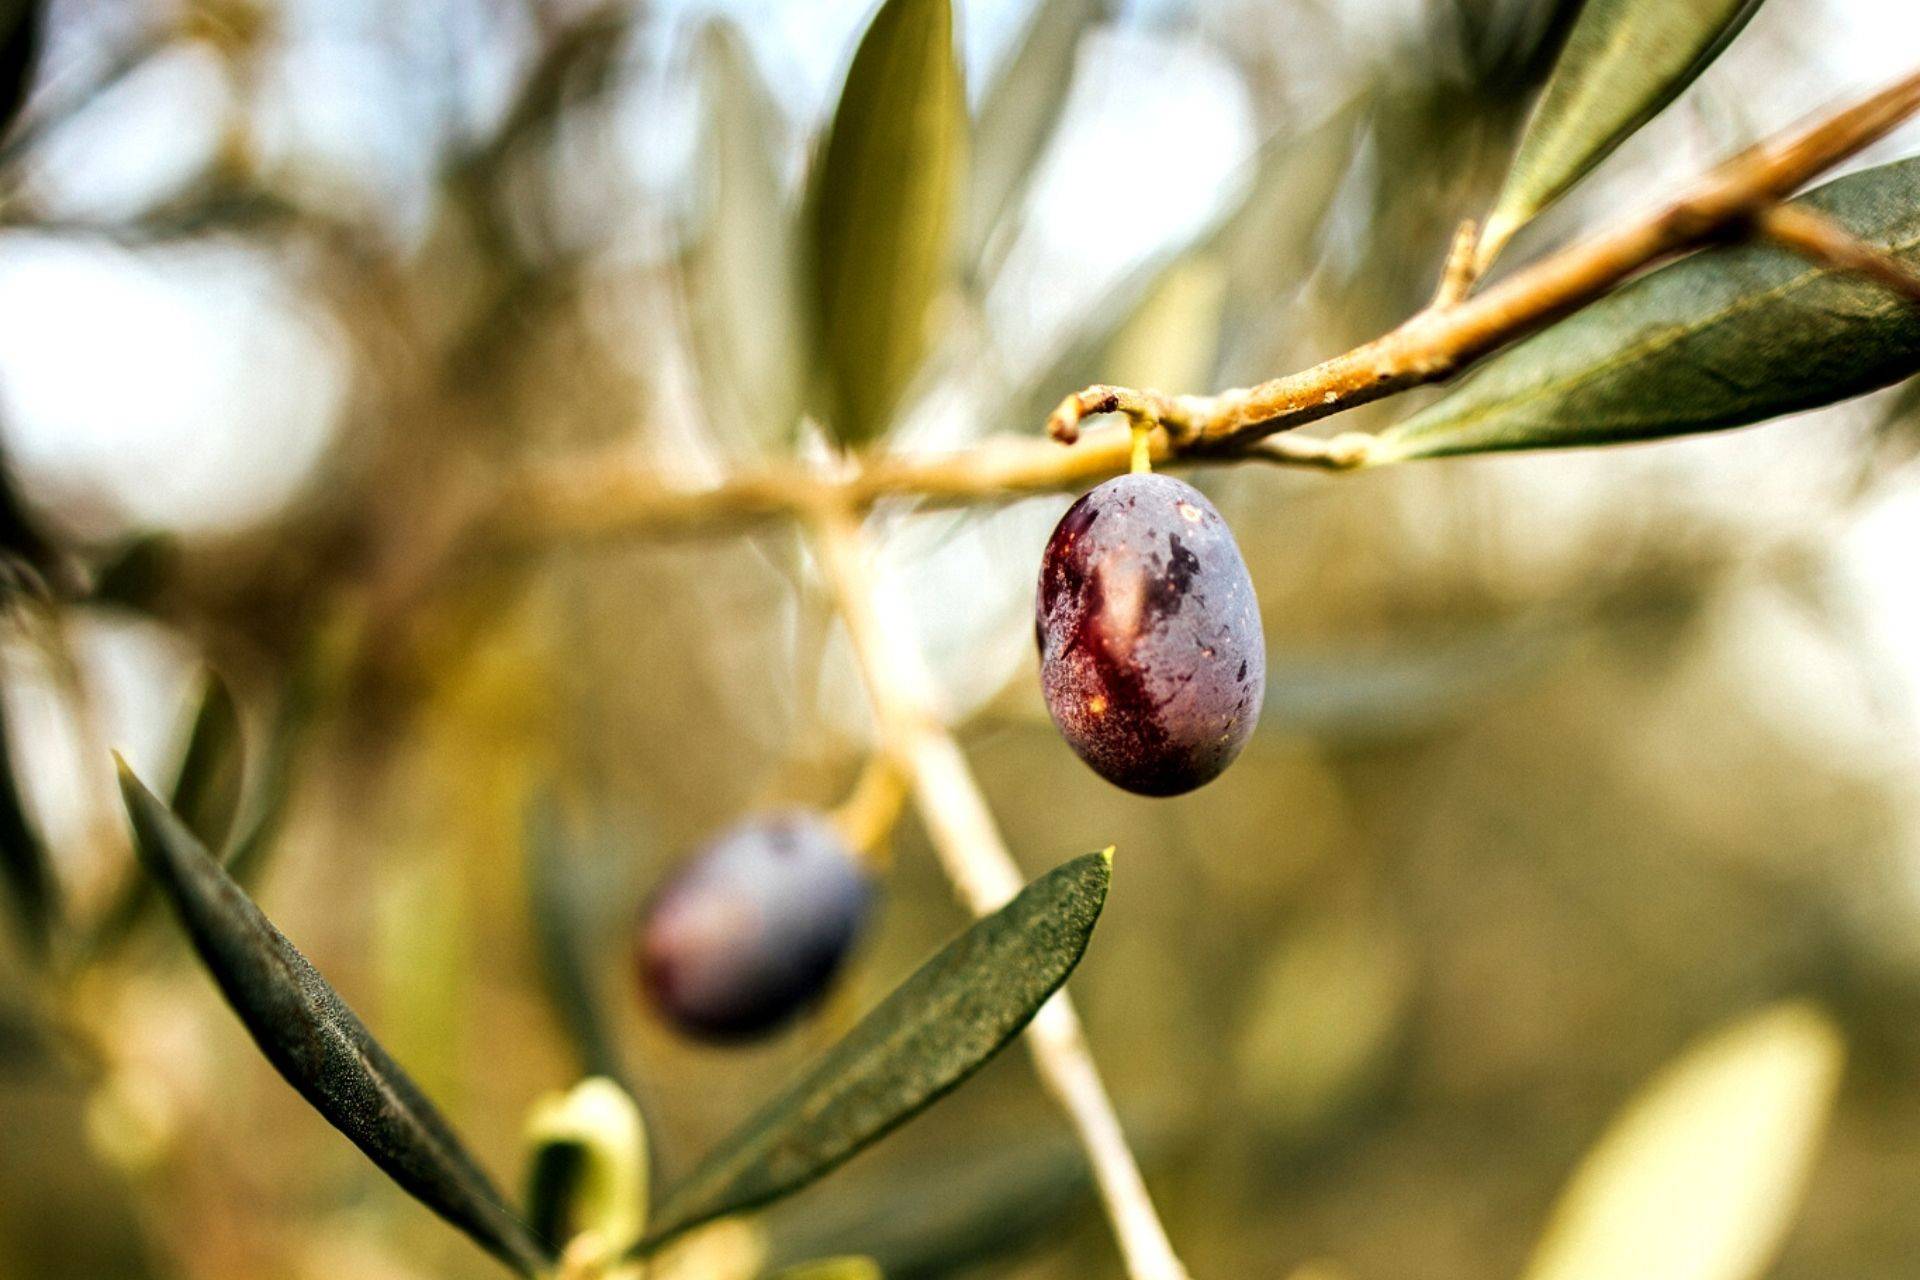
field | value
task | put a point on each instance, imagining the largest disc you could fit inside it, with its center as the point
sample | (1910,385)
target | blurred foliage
(1568,762)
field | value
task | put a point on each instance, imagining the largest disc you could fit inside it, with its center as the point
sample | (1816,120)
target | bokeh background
(1565,758)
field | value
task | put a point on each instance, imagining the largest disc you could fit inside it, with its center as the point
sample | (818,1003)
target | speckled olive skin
(1151,655)
(751,930)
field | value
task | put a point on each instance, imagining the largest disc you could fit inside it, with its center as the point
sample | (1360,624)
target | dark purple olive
(751,930)
(1151,656)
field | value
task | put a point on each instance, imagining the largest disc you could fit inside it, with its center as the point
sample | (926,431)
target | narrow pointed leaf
(314,1040)
(215,751)
(847,1268)
(1724,338)
(564,932)
(1171,342)
(883,210)
(21,23)
(1019,112)
(1623,62)
(1699,1177)
(206,794)
(935,1030)
(951,1217)
(32,891)
(744,292)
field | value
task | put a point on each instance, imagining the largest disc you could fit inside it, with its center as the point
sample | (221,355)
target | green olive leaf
(882,212)
(1020,111)
(851,1267)
(936,1029)
(206,792)
(1261,241)
(743,287)
(559,899)
(317,1043)
(213,798)
(32,890)
(1724,338)
(1624,61)
(21,23)
(1698,1178)
(1172,340)
(950,1215)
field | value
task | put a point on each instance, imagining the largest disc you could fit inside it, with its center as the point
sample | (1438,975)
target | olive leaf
(882,212)
(1258,240)
(948,1217)
(32,890)
(743,286)
(847,1268)
(1699,1177)
(21,23)
(206,794)
(1020,111)
(1623,62)
(558,902)
(1727,337)
(1171,341)
(317,1043)
(936,1029)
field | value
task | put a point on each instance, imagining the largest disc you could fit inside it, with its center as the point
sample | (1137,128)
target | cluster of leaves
(1725,338)
(935,1030)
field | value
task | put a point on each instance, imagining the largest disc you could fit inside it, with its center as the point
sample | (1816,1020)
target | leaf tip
(1106,856)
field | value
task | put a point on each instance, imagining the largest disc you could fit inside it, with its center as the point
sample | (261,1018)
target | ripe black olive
(751,930)
(1151,655)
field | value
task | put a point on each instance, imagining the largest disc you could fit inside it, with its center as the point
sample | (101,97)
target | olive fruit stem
(967,840)
(1142,457)
(872,809)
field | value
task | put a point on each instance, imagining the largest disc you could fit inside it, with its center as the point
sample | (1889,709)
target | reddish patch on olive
(1151,655)
(752,929)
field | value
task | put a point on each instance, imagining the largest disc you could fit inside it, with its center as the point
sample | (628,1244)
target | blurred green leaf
(1262,242)
(565,934)
(206,793)
(317,1043)
(31,888)
(1699,1177)
(1020,111)
(1326,1006)
(935,1219)
(1170,342)
(1624,61)
(21,24)
(1724,338)
(848,1268)
(588,1167)
(882,211)
(265,808)
(936,1029)
(1271,240)
(263,804)
(138,570)
(744,291)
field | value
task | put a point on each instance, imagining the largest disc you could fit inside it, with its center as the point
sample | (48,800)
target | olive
(1152,659)
(751,930)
